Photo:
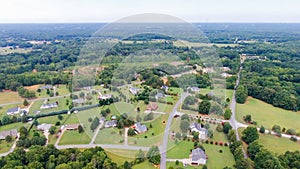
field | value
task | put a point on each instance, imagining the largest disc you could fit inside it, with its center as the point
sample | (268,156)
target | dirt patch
(33,87)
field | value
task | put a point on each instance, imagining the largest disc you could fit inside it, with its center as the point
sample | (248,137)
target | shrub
(221,151)
(293,139)
(211,142)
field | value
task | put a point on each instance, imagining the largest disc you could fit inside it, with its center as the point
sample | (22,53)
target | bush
(291,132)
(221,151)
(293,139)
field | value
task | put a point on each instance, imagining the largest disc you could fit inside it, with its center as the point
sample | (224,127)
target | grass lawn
(4,146)
(157,130)
(172,164)
(73,137)
(67,119)
(144,165)
(109,136)
(179,150)
(217,160)
(13,126)
(120,156)
(278,144)
(3,109)
(52,139)
(61,106)
(9,96)
(268,115)
(83,117)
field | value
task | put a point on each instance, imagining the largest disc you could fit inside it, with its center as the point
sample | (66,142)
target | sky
(61,11)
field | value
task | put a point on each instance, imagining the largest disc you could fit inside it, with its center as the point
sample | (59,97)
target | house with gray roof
(198,157)
(159,95)
(44,127)
(46,87)
(49,105)
(13,133)
(140,128)
(134,90)
(12,111)
(193,89)
(112,123)
(196,127)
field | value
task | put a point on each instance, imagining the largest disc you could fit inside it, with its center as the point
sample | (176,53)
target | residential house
(49,105)
(13,133)
(193,89)
(104,97)
(196,127)
(152,106)
(198,157)
(46,87)
(139,128)
(134,90)
(159,95)
(71,126)
(165,88)
(112,123)
(44,127)
(12,111)
(78,101)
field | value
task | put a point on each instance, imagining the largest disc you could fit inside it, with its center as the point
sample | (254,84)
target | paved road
(163,148)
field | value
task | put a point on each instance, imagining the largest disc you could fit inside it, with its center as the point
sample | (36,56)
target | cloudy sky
(45,11)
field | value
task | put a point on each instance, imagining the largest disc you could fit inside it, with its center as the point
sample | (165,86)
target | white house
(48,105)
(104,97)
(134,90)
(44,127)
(12,111)
(196,127)
(193,89)
(198,157)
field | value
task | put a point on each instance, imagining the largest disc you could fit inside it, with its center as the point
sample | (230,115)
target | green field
(4,146)
(120,156)
(144,165)
(8,97)
(74,137)
(83,117)
(37,104)
(173,164)
(268,115)
(179,150)
(67,119)
(217,160)
(109,136)
(277,144)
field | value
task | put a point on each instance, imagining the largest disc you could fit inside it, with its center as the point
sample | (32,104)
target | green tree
(140,157)
(52,130)
(227,114)
(262,129)
(131,132)
(226,127)
(266,159)
(94,124)
(253,149)
(184,126)
(204,107)
(231,136)
(80,129)
(250,134)
(241,94)
(248,118)
(154,155)
(25,102)
(8,139)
